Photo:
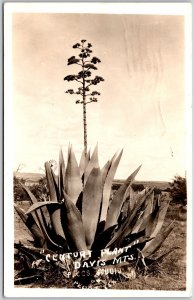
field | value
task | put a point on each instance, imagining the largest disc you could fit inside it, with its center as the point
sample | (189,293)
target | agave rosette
(83,214)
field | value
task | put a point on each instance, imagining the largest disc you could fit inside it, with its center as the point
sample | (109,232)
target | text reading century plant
(85,79)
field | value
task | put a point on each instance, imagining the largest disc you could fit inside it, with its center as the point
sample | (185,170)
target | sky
(142,104)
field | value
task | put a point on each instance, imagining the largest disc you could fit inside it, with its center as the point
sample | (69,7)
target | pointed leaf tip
(92,196)
(108,184)
(73,183)
(93,163)
(118,199)
(51,182)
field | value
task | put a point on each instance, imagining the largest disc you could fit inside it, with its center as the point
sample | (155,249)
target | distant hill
(35,177)
(30,176)
(162,185)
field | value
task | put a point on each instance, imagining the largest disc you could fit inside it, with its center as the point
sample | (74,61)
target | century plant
(87,64)
(84,214)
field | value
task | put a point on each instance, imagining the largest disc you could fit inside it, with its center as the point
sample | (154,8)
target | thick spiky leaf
(129,200)
(61,174)
(92,196)
(73,183)
(37,214)
(56,220)
(54,209)
(156,201)
(136,211)
(56,180)
(161,217)
(106,168)
(32,197)
(139,246)
(149,205)
(134,196)
(56,184)
(51,183)
(100,228)
(87,157)
(162,213)
(108,185)
(21,213)
(156,243)
(104,171)
(102,239)
(138,224)
(40,217)
(31,225)
(149,223)
(117,202)
(130,238)
(73,225)
(82,163)
(128,224)
(93,163)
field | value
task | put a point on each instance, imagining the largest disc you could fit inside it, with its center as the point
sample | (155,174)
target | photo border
(9,8)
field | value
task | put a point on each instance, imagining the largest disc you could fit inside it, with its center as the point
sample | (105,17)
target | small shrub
(18,191)
(137,187)
(157,191)
(40,190)
(178,190)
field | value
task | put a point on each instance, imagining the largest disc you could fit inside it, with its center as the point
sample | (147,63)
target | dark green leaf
(107,187)
(73,183)
(73,225)
(117,202)
(92,196)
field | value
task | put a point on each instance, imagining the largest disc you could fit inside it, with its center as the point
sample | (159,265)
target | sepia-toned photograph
(97,154)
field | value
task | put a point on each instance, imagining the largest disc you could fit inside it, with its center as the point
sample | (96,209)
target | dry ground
(173,268)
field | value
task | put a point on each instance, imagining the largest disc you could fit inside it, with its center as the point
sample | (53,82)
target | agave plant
(83,214)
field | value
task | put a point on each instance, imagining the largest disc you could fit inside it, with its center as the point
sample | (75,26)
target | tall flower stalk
(84,78)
